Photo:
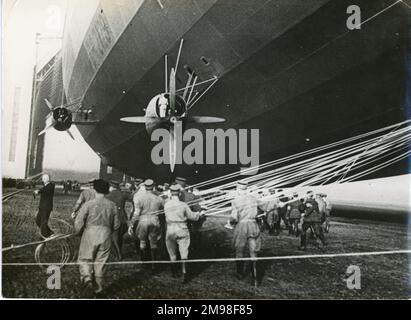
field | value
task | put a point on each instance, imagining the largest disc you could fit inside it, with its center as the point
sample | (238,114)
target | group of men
(250,214)
(100,218)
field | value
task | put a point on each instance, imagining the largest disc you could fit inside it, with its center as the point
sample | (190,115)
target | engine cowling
(159,109)
(63,119)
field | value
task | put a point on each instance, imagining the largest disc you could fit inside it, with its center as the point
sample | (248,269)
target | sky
(21,20)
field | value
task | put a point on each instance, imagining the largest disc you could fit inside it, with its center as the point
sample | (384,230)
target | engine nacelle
(159,108)
(63,119)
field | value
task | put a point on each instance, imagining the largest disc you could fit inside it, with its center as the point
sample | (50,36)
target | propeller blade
(173,144)
(172,91)
(137,119)
(205,119)
(70,134)
(86,123)
(49,105)
(51,125)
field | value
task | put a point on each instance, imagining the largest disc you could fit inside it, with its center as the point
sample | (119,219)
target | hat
(181,181)
(149,184)
(101,186)
(295,194)
(323,195)
(115,184)
(138,180)
(242,184)
(175,188)
(166,185)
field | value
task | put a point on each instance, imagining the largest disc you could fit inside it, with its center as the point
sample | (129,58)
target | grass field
(382,277)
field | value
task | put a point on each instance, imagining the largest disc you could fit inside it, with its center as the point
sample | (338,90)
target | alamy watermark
(211,148)
(353,277)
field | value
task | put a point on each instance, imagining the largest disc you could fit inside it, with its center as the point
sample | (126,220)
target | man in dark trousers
(45,206)
(311,219)
(119,198)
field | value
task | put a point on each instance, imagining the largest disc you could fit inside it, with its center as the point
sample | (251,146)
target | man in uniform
(177,214)
(321,208)
(85,196)
(246,232)
(311,218)
(96,222)
(45,206)
(147,207)
(327,213)
(119,198)
(282,211)
(270,207)
(192,201)
(294,210)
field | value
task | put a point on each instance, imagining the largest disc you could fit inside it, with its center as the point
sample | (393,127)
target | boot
(184,278)
(240,270)
(254,279)
(87,291)
(154,267)
(145,257)
(303,242)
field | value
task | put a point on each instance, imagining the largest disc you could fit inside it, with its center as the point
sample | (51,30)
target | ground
(382,276)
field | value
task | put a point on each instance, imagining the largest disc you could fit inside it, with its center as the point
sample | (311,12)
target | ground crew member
(321,208)
(96,221)
(119,198)
(282,211)
(177,214)
(45,206)
(140,187)
(294,210)
(311,219)
(85,196)
(193,202)
(327,211)
(147,207)
(270,207)
(246,232)
(166,191)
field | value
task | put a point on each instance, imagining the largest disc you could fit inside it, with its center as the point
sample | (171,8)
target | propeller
(51,125)
(138,119)
(172,91)
(61,118)
(49,105)
(205,119)
(174,123)
(178,106)
(70,134)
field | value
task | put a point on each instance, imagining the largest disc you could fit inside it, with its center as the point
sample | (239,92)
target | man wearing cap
(147,207)
(294,210)
(246,232)
(177,215)
(85,196)
(119,198)
(311,219)
(193,202)
(95,222)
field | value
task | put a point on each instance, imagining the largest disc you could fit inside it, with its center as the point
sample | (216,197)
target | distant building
(47,84)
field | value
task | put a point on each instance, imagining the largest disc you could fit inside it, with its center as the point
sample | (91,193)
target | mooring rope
(273,258)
